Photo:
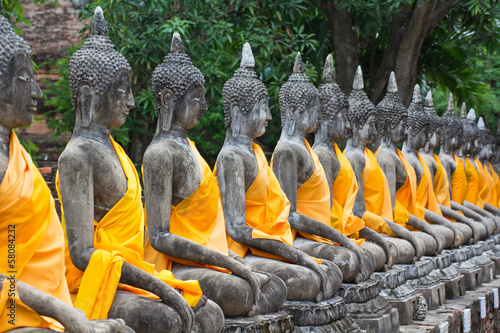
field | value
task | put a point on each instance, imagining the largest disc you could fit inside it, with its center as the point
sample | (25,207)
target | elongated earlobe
(86,103)
(166,111)
(235,122)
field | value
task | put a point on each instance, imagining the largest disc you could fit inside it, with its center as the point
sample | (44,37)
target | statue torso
(388,156)
(431,162)
(415,163)
(330,162)
(247,157)
(110,182)
(305,163)
(357,159)
(448,162)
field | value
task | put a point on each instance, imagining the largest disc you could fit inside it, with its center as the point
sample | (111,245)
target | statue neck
(409,148)
(352,146)
(175,131)
(428,148)
(388,144)
(288,135)
(4,138)
(322,139)
(241,141)
(95,131)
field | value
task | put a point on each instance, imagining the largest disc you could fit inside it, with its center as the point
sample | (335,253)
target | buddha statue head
(452,130)
(99,80)
(19,90)
(470,136)
(391,115)
(435,122)
(417,122)
(246,109)
(178,89)
(487,141)
(334,105)
(362,113)
(299,102)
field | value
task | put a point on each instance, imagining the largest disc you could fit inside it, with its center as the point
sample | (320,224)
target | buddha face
(368,131)
(435,138)
(399,132)
(339,126)
(307,121)
(486,152)
(114,105)
(417,140)
(189,110)
(253,124)
(19,92)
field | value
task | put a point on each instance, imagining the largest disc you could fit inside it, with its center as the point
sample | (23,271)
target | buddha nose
(130,100)
(203,104)
(36,92)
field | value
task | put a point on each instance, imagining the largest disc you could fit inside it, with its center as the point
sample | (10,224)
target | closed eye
(122,91)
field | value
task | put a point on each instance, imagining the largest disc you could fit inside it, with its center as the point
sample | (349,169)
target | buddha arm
(78,203)
(438,219)
(461,219)
(376,238)
(231,179)
(389,170)
(425,227)
(473,215)
(484,213)
(287,177)
(491,209)
(358,164)
(158,176)
(71,318)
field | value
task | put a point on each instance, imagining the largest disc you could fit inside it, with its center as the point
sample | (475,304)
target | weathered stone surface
(388,322)
(418,269)
(308,313)
(458,255)
(454,281)
(344,325)
(361,292)
(392,278)
(487,266)
(441,260)
(278,322)
(473,275)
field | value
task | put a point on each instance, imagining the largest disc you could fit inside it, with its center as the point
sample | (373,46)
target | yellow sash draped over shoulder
(313,197)
(458,181)
(118,237)
(441,184)
(485,182)
(377,196)
(344,190)
(406,196)
(472,194)
(266,209)
(425,190)
(30,228)
(199,218)
(495,198)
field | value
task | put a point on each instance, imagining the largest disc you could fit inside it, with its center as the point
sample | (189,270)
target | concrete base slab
(388,322)
(406,307)
(271,323)
(473,275)
(435,295)
(309,313)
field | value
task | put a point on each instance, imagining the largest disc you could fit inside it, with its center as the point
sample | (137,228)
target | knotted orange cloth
(472,194)
(266,209)
(441,184)
(32,240)
(198,218)
(344,190)
(458,181)
(118,237)
(425,190)
(485,184)
(495,199)
(406,195)
(377,196)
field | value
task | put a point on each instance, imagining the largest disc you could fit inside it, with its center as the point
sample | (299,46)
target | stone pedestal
(344,325)
(454,282)
(432,289)
(458,255)
(486,265)
(279,322)
(496,238)
(306,313)
(375,316)
(473,275)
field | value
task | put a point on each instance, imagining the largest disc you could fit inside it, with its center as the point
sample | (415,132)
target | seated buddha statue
(339,173)
(425,197)
(491,187)
(439,176)
(392,119)
(34,295)
(102,210)
(185,221)
(373,200)
(453,165)
(302,178)
(256,210)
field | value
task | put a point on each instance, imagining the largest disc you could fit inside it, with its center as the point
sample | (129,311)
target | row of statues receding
(239,240)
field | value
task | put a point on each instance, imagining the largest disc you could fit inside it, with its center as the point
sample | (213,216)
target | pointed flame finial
(99,25)
(416,98)
(480,124)
(392,87)
(358,83)
(298,67)
(471,115)
(450,102)
(247,59)
(463,112)
(328,75)
(429,102)
(176,46)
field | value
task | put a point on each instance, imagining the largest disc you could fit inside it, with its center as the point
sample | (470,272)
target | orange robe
(486,184)
(198,218)
(472,194)
(344,190)
(377,196)
(425,190)
(406,196)
(31,237)
(441,184)
(458,182)
(266,209)
(495,199)
(118,238)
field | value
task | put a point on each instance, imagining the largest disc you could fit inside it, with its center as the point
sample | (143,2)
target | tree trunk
(344,41)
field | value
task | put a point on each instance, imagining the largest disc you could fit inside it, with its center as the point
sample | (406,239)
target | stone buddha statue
(190,237)
(305,184)
(486,156)
(418,126)
(341,178)
(102,210)
(392,120)
(373,200)
(31,230)
(256,210)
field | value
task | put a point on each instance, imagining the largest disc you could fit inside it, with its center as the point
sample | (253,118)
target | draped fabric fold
(495,199)
(458,181)
(441,184)
(118,238)
(266,209)
(377,196)
(425,189)
(472,193)
(485,182)
(344,190)
(198,218)
(30,229)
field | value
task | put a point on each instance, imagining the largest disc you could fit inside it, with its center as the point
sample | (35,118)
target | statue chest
(110,185)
